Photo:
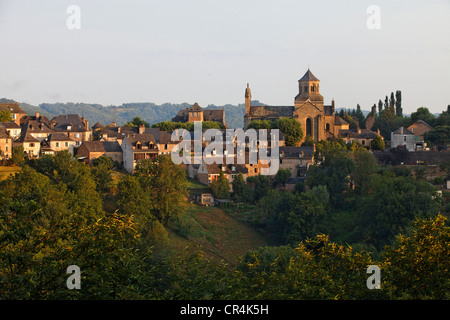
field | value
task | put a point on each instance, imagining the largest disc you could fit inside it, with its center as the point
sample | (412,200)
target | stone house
(16,112)
(419,128)
(197,113)
(12,128)
(90,150)
(363,137)
(5,144)
(55,142)
(137,147)
(31,146)
(76,127)
(296,159)
(403,137)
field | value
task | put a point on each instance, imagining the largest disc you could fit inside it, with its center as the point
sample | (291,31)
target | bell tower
(308,89)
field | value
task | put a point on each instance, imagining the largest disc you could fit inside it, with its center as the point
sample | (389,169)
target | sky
(206,51)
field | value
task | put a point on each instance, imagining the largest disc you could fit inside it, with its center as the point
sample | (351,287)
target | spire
(309,76)
(248,93)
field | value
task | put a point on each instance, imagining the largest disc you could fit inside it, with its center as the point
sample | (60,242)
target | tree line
(52,215)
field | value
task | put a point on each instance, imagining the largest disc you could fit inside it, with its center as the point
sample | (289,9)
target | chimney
(118,129)
(141,129)
(37,115)
(113,124)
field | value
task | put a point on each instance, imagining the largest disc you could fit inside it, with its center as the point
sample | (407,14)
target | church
(317,119)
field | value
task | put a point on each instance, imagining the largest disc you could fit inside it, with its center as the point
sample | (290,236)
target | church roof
(195,107)
(309,76)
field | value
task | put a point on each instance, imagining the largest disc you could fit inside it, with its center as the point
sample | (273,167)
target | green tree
(378,143)
(291,129)
(260,124)
(415,267)
(5,116)
(365,166)
(261,185)
(17,156)
(439,135)
(393,205)
(424,114)
(164,182)
(309,141)
(282,177)
(137,122)
(220,187)
(242,192)
(101,170)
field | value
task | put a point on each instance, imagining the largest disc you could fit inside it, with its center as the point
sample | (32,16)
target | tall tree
(398,104)
(221,187)
(380,106)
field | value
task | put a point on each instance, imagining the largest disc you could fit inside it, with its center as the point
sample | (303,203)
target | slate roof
(59,136)
(309,76)
(405,131)
(9,125)
(295,152)
(362,134)
(4,134)
(11,107)
(62,123)
(102,146)
(98,125)
(27,138)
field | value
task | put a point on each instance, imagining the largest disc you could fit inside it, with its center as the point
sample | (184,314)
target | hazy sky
(206,51)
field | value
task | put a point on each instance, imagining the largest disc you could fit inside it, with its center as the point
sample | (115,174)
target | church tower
(308,89)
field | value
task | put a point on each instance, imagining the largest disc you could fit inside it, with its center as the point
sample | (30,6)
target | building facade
(317,119)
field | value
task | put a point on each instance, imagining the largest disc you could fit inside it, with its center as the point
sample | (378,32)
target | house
(5,144)
(55,142)
(12,128)
(403,137)
(31,146)
(197,113)
(97,126)
(207,173)
(363,137)
(16,112)
(75,127)
(38,129)
(419,128)
(90,150)
(296,159)
(137,147)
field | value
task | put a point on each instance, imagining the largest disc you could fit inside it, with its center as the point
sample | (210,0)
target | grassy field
(5,172)
(215,233)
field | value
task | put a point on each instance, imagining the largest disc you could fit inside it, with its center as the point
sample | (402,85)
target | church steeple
(308,89)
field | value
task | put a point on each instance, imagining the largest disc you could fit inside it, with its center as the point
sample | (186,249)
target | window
(312,88)
(77,135)
(328,127)
(404,138)
(57,144)
(363,142)
(66,144)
